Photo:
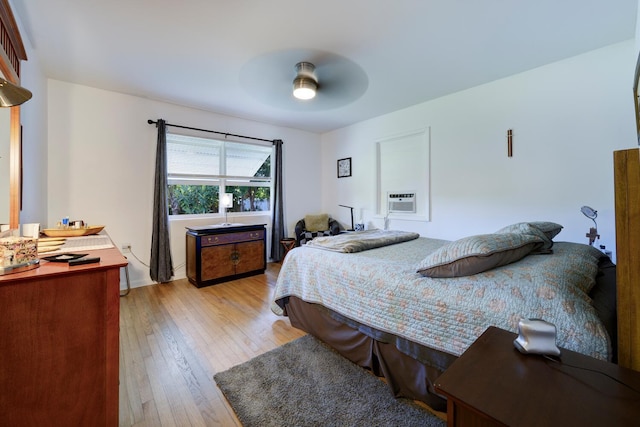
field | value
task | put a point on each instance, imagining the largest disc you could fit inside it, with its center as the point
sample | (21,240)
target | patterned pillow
(550,229)
(475,254)
(543,230)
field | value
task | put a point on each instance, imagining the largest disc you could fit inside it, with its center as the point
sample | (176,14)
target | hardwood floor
(174,337)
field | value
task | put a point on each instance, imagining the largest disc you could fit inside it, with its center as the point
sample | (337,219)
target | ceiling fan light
(305,84)
(304,88)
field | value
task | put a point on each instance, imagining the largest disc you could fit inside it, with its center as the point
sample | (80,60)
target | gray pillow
(550,229)
(475,254)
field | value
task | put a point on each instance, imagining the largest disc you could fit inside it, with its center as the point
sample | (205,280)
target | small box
(17,250)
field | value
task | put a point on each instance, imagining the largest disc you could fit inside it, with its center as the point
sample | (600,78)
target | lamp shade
(12,95)
(226,200)
(304,88)
(589,212)
(305,84)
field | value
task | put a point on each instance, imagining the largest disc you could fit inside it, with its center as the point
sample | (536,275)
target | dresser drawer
(228,238)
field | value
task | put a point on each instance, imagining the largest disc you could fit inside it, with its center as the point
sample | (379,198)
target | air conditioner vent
(401,202)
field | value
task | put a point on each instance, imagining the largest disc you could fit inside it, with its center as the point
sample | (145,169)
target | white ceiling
(386,54)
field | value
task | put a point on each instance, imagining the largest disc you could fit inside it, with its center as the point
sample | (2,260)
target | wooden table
(287,243)
(59,345)
(493,384)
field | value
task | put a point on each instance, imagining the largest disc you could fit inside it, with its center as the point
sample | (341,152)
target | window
(200,169)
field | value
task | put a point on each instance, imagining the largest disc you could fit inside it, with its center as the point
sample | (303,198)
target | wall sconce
(226,201)
(12,95)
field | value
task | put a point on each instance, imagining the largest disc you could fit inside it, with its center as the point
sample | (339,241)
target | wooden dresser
(220,253)
(59,343)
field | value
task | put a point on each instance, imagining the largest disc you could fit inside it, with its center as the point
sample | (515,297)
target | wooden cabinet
(220,253)
(627,202)
(59,346)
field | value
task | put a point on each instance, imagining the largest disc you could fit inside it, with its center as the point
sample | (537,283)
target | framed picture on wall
(344,167)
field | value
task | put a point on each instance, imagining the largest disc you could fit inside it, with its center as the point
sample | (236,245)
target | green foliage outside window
(188,199)
(193,199)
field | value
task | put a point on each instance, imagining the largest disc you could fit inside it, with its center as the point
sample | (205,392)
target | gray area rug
(306,383)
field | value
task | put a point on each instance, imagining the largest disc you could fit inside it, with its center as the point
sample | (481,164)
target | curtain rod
(151,122)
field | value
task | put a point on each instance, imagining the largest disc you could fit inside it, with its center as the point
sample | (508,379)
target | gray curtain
(161,267)
(278,228)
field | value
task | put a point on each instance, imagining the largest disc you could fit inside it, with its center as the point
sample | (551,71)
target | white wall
(567,119)
(102,157)
(33,117)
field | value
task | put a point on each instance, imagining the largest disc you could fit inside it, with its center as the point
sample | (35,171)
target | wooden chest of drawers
(221,253)
(59,346)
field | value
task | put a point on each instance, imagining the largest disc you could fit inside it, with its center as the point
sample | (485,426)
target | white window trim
(223,181)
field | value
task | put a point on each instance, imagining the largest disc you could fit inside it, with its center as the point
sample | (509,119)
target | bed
(407,308)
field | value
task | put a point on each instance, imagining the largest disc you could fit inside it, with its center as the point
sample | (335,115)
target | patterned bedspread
(380,288)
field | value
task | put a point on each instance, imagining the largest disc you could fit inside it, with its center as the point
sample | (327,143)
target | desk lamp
(593,231)
(350,207)
(226,201)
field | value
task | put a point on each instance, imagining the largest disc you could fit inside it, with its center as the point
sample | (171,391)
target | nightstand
(287,243)
(493,384)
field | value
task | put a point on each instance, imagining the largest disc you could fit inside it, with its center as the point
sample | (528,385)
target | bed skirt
(406,376)
(409,368)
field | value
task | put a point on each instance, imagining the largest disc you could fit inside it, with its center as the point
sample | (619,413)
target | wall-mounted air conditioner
(401,202)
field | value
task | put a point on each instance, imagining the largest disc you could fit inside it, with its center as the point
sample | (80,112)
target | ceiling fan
(270,78)
(305,85)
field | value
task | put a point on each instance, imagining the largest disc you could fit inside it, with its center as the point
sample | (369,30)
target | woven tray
(73,232)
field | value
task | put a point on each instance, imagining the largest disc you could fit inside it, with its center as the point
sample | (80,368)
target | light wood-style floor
(174,337)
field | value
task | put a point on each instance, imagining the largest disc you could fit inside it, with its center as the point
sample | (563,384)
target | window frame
(223,181)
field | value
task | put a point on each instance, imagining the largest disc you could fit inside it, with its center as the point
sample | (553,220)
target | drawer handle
(254,235)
